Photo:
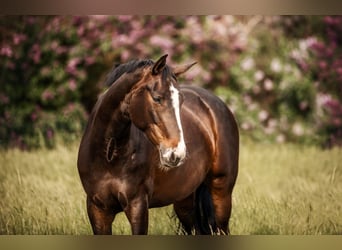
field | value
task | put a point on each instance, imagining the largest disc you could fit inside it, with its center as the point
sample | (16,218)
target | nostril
(174,158)
(177,160)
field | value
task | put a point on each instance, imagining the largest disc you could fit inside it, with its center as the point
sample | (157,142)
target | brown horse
(150,142)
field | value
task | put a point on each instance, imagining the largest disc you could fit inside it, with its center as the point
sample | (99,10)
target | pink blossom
(318,46)
(34,116)
(161,42)
(72,64)
(47,95)
(125,55)
(136,35)
(18,38)
(35,53)
(120,40)
(247,64)
(69,109)
(263,115)
(246,126)
(332,20)
(100,17)
(337,122)
(6,51)
(72,84)
(259,75)
(276,65)
(168,28)
(61,50)
(77,20)
(54,44)
(339,70)
(323,64)
(303,105)
(329,51)
(328,20)
(89,60)
(272,123)
(268,85)
(334,106)
(298,129)
(310,41)
(323,99)
(80,31)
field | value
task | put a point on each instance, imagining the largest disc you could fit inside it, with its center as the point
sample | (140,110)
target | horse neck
(110,119)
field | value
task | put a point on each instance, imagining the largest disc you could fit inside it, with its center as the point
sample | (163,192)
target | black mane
(129,67)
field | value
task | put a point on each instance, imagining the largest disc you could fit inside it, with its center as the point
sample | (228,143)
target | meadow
(281,189)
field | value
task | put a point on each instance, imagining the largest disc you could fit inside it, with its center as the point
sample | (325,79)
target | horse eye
(157,99)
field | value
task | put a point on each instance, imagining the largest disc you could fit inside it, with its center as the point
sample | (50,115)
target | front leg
(101,219)
(137,213)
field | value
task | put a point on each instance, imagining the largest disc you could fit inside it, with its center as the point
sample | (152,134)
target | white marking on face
(180,150)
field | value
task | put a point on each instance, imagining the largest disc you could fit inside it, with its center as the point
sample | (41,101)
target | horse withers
(151,142)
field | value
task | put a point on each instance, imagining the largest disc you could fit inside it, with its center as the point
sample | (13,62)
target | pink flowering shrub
(280,75)
(326,68)
(318,56)
(286,86)
(53,66)
(44,64)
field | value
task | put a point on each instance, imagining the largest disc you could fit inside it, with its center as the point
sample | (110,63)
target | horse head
(154,107)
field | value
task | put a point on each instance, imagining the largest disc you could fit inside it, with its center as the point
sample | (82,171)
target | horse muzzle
(172,157)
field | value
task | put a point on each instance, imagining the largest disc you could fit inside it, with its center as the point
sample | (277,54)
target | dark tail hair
(204,211)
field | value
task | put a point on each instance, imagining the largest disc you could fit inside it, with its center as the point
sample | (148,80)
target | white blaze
(180,150)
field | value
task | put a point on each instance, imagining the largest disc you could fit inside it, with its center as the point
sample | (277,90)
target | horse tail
(205,222)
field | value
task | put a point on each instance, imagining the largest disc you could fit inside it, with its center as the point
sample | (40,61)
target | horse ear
(178,70)
(159,65)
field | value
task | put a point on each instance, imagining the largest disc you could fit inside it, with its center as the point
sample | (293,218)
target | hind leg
(101,219)
(184,210)
(222,200)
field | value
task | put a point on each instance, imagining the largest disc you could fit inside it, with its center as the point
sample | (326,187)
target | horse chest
(177,184)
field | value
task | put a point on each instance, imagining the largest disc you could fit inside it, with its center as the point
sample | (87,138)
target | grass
(288,189)
(281,189)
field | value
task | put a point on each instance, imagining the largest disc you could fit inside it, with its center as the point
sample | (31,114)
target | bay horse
(151,142)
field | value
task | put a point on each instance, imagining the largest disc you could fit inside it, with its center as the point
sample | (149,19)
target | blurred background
(280,75)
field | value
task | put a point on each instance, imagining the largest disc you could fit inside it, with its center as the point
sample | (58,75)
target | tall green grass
(288,189)
(281,189)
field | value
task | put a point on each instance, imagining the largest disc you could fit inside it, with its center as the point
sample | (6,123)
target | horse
(151,142)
